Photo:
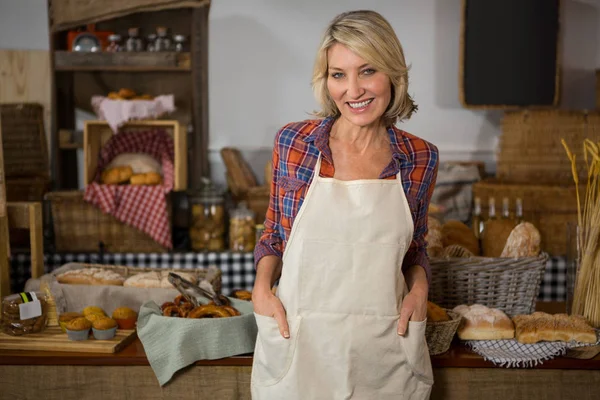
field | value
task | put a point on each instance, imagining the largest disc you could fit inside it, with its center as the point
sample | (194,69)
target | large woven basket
(509,284)
(81,227)
(530,149)
(439,334)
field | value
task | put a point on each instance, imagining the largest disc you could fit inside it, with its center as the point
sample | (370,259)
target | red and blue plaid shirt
(297,147)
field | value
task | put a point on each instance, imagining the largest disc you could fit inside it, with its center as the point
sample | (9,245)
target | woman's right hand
(267,304)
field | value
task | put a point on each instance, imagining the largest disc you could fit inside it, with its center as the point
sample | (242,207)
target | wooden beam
(36,239)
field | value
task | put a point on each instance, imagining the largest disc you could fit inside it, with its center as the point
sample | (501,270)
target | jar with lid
(242,229)
(163,42)
(114,43)
(150,39)
(134,42)
(207,218)
(179,43)
(24,313)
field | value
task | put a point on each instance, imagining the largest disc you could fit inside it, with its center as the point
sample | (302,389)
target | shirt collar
(320,137)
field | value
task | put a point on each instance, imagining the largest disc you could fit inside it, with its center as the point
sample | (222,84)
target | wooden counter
(459,374)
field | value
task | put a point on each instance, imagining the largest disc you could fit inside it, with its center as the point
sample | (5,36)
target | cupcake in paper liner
(126,317)
(104,328)
(78,329)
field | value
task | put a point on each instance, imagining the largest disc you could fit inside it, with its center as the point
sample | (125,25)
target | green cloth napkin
(173,343)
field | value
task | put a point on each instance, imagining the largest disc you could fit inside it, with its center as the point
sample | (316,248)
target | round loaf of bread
(524,241)
(455,232)
(140,163)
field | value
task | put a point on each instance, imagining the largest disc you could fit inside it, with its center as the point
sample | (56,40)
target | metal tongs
(183,286)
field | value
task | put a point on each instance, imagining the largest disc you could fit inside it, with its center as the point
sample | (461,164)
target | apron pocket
(417,353)
(273,354)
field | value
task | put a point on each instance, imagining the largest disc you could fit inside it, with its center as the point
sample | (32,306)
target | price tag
(31,306)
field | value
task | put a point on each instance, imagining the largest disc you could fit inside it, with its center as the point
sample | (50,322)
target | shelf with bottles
(122,61)
(479,219)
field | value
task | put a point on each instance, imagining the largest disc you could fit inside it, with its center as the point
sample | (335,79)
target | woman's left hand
(414,308)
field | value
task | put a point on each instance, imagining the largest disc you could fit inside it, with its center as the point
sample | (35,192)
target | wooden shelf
(122,61)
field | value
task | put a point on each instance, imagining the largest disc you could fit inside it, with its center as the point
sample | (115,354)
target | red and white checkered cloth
(143,207)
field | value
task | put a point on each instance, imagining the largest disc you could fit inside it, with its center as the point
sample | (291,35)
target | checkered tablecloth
(237,268)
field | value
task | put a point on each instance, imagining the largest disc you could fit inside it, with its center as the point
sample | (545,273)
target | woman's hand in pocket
(267,304)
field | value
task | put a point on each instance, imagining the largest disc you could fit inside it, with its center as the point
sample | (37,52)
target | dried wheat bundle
(586,299)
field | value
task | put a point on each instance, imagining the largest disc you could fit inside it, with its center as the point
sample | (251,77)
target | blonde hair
(371,37)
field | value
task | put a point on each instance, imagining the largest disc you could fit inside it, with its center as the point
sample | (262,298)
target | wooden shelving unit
(79,76)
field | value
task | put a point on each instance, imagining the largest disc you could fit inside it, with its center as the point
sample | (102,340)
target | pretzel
(209,311)
(172,311)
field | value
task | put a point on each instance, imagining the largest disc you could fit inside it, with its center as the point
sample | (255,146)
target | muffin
(94,317)
(66,317)
(125,317)
(78,328)
(104,328)
(93,310)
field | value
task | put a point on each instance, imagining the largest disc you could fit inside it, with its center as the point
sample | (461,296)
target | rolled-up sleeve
(271,243)
(417,252)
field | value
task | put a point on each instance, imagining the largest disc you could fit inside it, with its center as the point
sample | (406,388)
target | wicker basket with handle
(509,284)
(439,334)
(81,227)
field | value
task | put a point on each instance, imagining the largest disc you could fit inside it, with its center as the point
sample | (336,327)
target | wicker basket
(530,149)
(598,89)
(509,284)
(126,272)
(549,207)
(25,151)
(439,334)
(81,227)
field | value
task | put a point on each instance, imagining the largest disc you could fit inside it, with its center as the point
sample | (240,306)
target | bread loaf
(541,326)
(91,276)
(155,279)
(434,242)
(523,241)
(140,163)
(436,313)
(456,251)
(455,232)
(482,323)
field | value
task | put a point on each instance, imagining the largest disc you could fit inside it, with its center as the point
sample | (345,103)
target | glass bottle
(242,227)
(505,208)
(491,209)
(519,211)
(207,218)
(162,43)
(477,222)
(150,39)
(134,42)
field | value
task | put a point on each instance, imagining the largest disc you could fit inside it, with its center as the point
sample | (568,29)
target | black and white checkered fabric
(237,268)
(510,353)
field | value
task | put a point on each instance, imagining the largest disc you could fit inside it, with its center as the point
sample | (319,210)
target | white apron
(342,287)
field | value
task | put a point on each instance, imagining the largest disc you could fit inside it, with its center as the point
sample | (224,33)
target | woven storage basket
(549,207)
(530,149)
(439,334)
(509,284)
(80,227)
(25,151)
(126,272)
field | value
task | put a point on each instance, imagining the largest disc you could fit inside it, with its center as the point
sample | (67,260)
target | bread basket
(439,334)
(509,284)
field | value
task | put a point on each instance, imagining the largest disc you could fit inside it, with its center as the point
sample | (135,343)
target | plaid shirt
(296,149)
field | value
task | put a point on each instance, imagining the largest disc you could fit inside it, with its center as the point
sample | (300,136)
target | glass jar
(114,43)
(150,39)
(242,229)
(162,42)
(207,218)
(179,43)
(134,42)
(24,313)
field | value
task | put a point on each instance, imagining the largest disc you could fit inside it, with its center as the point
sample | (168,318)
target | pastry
(66,317)
(94,317)
(541,326)
(242,295)
(209,311)
(173,311)
(126,93)
(232,310)
(126,317)
(104,328)
(90,310)
(79,324)
(90,276)
(435,245)
(482,323)
(114,96)
(456,251)
(116,175)
(436,313)
(524,241)
(10,318)
(455,232)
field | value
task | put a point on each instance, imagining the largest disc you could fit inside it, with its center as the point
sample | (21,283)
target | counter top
(457,357)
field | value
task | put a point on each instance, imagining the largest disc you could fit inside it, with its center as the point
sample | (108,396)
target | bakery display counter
(459,374)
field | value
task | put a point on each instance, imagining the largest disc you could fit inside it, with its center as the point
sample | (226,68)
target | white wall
(261,55)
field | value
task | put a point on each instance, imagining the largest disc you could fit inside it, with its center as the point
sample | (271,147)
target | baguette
(540,326)
(91,276)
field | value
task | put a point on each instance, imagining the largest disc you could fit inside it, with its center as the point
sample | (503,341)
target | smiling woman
(348,213)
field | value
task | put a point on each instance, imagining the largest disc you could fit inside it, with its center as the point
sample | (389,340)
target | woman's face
(361,93)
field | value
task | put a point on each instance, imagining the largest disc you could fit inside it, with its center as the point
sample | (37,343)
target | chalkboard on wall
(510,53)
